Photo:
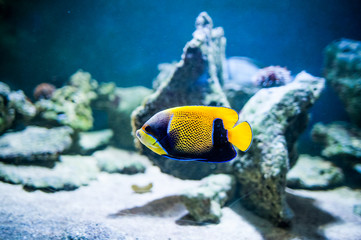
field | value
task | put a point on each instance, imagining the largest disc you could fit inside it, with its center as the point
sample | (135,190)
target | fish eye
(147,128)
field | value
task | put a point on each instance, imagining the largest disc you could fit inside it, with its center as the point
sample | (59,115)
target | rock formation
(343,72)
(314,173)
(277,116)
(195,81)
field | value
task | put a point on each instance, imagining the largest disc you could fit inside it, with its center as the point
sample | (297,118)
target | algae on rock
(195,81)
(278,116)
(70,105)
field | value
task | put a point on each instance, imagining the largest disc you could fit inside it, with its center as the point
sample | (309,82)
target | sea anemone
(44,91)
(271,76)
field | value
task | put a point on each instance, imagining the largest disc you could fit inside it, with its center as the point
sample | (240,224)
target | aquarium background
(70,167)
(124,41)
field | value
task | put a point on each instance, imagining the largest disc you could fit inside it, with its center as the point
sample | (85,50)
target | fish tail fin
(241,136)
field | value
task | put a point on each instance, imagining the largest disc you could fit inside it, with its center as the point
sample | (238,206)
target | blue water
(123,41)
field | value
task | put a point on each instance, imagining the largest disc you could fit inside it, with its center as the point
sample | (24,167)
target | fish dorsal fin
(228,115)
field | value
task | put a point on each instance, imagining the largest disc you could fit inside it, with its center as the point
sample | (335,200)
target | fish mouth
(150,142)
(145,138)
(137,134)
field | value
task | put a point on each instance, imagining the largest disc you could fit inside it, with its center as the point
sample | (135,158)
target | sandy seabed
(109,209)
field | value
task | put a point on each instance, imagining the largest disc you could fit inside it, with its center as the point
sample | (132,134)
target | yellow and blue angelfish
(201,133)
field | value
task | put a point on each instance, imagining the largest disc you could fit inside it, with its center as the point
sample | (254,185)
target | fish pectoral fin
(241,136)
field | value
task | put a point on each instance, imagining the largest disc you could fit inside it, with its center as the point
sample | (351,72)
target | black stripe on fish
(222,150)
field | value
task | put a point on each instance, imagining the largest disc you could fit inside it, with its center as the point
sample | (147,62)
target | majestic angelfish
(199,133)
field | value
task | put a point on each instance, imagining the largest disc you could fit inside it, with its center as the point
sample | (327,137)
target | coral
(35,144)
(204,202)
(271,76)
(277,116)
(44,91)
(343,72)
(195,81)
(70,105)
(314,173)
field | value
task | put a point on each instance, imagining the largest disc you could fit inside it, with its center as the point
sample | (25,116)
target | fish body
(199,133)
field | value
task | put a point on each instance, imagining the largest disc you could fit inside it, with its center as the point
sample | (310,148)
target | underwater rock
(4,89)
(342,141)
(204,203)
(195,81)
(277,116)
(166,70)
(106,97)
(238,86)
(22,105)
(35,144)
(119,103)
(7,115)
(14,107)
(91,141)
(357,168)
(68,174)
(343,72)
(70,105)
(83,81)
(314,173)
(115,160)
(120,114)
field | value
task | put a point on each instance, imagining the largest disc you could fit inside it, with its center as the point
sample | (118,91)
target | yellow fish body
(196,133)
